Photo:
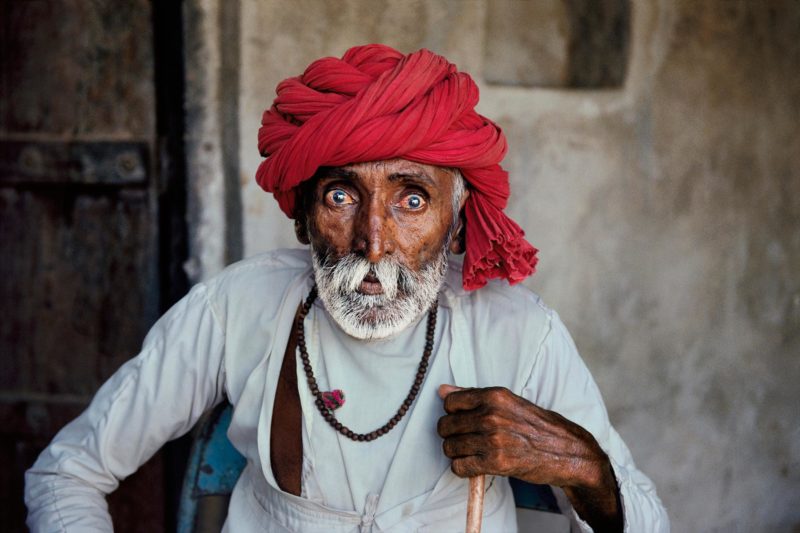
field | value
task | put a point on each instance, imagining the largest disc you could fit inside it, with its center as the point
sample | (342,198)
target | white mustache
(348,272)
(406,293)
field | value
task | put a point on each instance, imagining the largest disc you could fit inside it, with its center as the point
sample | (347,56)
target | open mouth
(370,285)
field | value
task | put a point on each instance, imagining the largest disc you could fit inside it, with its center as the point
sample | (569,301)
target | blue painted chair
(215,465)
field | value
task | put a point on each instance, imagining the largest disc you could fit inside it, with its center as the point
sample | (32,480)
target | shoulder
(264,266)
(500,303)
(259,280)
(503,326)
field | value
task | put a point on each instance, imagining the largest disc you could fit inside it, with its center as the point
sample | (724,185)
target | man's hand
(493,431)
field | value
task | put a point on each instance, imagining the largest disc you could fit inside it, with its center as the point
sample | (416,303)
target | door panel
(77,68)
(88,219)
(70,285)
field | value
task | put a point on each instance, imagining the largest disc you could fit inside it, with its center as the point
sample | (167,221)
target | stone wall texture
(666,211)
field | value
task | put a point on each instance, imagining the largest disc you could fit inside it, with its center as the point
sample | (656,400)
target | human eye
(413,201)
(338,196)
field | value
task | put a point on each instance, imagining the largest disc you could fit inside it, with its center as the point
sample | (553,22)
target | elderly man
(372,374)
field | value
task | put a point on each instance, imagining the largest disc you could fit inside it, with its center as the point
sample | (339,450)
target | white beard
(406,294)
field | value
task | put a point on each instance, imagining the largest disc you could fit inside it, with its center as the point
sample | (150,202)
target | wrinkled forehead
(390,169)
(397,164)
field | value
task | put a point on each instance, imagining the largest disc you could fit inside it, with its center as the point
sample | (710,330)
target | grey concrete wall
(666,212)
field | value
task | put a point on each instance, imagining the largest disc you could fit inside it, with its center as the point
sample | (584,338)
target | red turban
(375,104)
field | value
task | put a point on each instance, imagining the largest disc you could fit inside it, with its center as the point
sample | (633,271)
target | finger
(464,445)
(463,400)
(459,424)
(445,389)
(478,421)
(467,466)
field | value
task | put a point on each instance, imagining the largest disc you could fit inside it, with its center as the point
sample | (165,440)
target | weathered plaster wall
(211,53)
(666,212)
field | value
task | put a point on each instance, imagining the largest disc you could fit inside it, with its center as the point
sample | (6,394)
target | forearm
(561,382)
(600,506)
(60,503)
(637,505)
(153,398)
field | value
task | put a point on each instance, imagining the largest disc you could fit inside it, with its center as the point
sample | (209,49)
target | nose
(375,238)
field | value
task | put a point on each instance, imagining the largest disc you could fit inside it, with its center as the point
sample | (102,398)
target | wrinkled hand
(493,431)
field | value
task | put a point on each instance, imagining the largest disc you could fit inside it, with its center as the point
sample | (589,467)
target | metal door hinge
(82,162)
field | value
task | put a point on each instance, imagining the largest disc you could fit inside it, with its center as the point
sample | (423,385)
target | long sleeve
(561,382)
(155,397)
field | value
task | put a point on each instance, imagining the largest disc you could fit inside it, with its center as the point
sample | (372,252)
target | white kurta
(226,338)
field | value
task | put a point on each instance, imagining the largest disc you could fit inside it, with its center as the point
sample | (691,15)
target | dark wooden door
(91,211)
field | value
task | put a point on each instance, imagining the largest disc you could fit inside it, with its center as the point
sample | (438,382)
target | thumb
(446,389)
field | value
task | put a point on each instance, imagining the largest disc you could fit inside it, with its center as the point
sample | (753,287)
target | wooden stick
(475,503)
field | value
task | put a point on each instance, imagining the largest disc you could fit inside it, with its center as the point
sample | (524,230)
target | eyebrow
(421,178)
(337,172)
(418,177)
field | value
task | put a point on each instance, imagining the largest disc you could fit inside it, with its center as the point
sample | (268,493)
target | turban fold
(375,104)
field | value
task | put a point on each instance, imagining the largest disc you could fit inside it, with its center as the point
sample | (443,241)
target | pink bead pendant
(333,399)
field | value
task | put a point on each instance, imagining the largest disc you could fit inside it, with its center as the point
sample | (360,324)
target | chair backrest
(213,468)
(215,465)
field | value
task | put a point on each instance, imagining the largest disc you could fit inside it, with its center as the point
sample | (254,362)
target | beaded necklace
(327,412)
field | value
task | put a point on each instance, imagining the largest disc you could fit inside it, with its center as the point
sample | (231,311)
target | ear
(458,243)
(301,229)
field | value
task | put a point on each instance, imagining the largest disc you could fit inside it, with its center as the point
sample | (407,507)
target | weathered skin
(377,217)
(494,431)
(405,209)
